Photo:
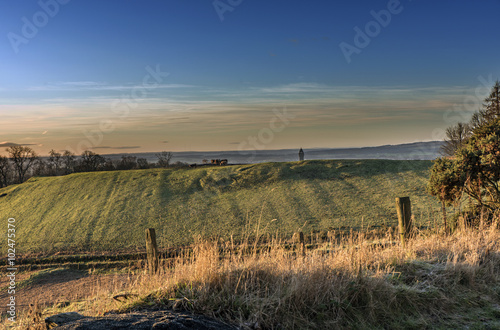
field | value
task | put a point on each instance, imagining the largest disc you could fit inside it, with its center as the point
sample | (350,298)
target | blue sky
(141,76)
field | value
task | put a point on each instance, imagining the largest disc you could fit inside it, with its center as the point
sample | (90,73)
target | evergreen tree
(474,166)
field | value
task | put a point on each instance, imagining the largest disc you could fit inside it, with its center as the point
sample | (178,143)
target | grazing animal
(192,165)
(223,162)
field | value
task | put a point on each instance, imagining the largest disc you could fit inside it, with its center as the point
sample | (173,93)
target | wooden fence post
(152,250)
(298,239)
(403,206)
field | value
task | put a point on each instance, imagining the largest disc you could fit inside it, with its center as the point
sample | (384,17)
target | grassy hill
(110,210)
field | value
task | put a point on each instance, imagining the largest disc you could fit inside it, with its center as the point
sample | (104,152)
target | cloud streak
(12,144)
(97,86)
(118,148)
(221,118)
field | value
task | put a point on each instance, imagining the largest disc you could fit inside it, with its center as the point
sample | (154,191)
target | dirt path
(59,287)
(65,286)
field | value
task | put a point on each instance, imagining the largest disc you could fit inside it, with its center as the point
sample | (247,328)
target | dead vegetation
(438,280)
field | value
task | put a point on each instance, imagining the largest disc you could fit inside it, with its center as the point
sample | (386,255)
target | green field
(110,210)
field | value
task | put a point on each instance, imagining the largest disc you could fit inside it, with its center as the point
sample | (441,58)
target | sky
(116,76)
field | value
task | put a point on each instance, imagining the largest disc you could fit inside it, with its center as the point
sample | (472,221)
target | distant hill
(409,151)
(110,210)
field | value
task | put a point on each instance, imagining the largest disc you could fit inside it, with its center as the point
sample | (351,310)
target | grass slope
(110,210)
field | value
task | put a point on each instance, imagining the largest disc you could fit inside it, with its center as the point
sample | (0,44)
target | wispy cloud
(312,87)
(119,148)
(81,83)
(223,117)
(183,95)
(97,86)
(12,144)
(296,88)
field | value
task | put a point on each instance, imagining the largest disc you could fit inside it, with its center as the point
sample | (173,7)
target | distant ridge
(407,151)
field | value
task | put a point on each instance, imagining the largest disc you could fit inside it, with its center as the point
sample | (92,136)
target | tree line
(23,163)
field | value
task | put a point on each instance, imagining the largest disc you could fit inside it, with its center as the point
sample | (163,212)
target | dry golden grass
(437,281)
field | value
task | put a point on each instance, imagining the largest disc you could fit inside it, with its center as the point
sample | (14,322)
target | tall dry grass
(349,282)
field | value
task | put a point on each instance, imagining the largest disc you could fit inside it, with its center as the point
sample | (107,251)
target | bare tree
(108,165)
(91,161)
(69,161)
(5,171)
(127,163)
(456,137)
(41,168)
(23,159)
(142,163)
(164,158)
(55,162)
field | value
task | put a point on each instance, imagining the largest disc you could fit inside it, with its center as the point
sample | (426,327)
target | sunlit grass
(110,210)
(437,281)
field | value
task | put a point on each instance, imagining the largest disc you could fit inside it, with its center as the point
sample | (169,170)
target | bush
(474,169)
